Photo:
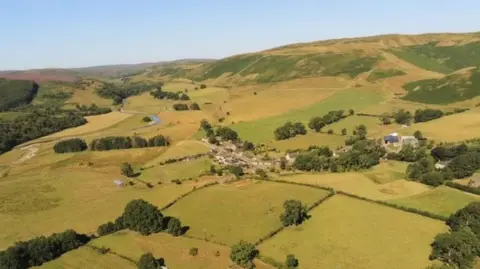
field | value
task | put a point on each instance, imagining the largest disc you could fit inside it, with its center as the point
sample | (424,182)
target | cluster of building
(228,153)
(395,140)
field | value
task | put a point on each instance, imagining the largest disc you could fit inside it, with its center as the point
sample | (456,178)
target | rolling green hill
(452,88)
(14,93)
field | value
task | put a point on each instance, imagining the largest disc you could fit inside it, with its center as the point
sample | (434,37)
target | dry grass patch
(348,233)
(441,200)
(360,184)
(88,97)
(86,257)
(230,213)
(95,123)
(173,249)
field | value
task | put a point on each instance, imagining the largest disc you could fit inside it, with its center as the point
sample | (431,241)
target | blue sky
(74,33)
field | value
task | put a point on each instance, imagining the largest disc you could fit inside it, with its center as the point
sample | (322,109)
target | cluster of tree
(428,114)
(463,160)
(70,145)
(243,254)
(289,130)
(35,125)
(227,134)
(235,170)
(148,261)
(408,154)
(317,123)
(402,116)
(160,94)
(363,155)
(91,110)
(125,142)
(145,218)
(449,151)
(15,93)
(181,107)
(118,92)
(460,247)
(294,213)
(359,133)
(40,250)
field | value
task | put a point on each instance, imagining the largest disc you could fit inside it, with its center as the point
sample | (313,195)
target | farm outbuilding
(410,140)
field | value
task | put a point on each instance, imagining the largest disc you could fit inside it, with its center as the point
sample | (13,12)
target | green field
(441,200)
(181,170)
(173,249)
(239,211)
(380,74)
(260,131)
(348,233)
(311,138)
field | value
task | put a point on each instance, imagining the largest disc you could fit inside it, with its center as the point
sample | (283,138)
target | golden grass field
(239,211)
(361,184)
(147,104)
(348,233)
(441,200)
(88,97)
(95,123)
(86,257)
(173,249)
(52,200)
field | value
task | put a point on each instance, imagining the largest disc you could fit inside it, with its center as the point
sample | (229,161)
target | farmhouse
(391,138)
(441,165)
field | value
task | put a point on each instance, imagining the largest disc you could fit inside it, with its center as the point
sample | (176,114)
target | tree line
(35,125)
(403,116)
(118,92)
(363,154)
(15,93)
(70,145)
(92,110)
(182,107)
(158,93)
(125,142)
(145,218)
(317,123)
(39,250)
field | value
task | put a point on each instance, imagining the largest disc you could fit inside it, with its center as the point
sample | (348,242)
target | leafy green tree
(143,217)
(316,124)
(227,133)
(294,213)
(147,261)
(361,131)
(174,227)
(203,86)
(146,119)
(351,112)
(433,178)
(291,262)
(106,228)
(243,254)
(237,171)
(70,145)
(418,135)
(193,251)
(127,170)
(458,248)
(385,119)
(468,216)
(418,169)
(205,125)
(402,116)
(344,131)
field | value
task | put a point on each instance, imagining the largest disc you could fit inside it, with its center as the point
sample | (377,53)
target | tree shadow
(161,261)
(137,174)
(184,230)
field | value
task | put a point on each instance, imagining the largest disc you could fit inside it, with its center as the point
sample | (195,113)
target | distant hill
(15,93)
(73,74)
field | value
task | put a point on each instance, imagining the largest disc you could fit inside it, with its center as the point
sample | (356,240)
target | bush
(423,115)
(194,106)
(127,170)
(330,131)
(243,254)
(291,262)
(70,145)
(158,141)
(193,251)
(143,217)
(433,179)
(146,119)
(468,216)
(203,86)
(174,227)
(237,171)
(180,107)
